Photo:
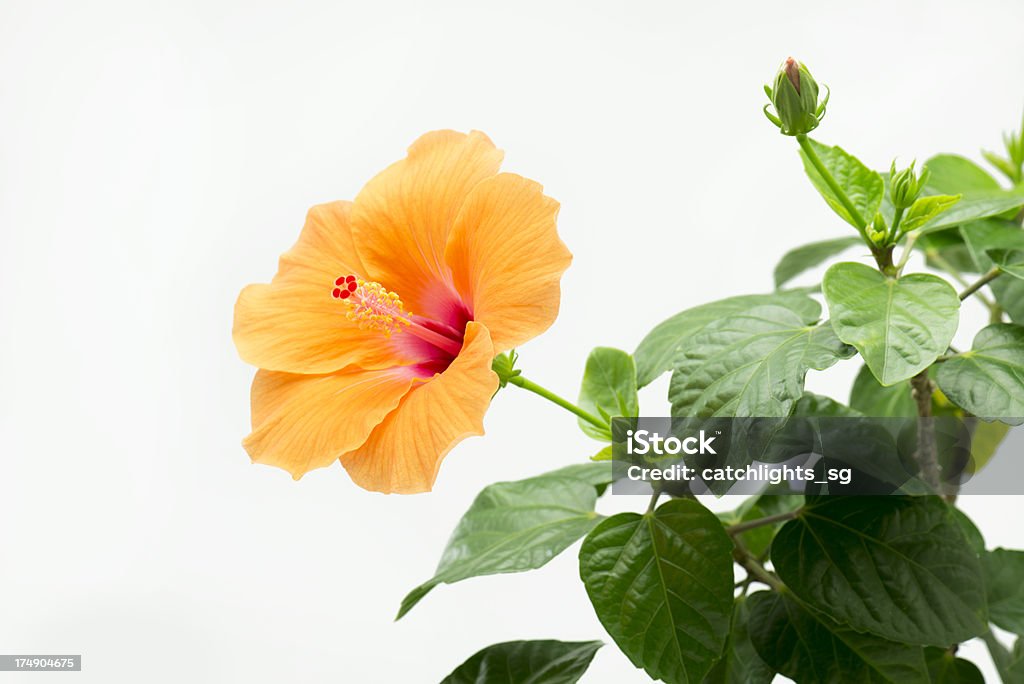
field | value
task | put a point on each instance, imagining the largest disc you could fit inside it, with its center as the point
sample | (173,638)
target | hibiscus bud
(795,99)
(906,185)
(877,231)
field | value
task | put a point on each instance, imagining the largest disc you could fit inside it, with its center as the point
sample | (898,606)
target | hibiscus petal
(294,324)
(404,452)
(507,259)
(302,422)
(402,218)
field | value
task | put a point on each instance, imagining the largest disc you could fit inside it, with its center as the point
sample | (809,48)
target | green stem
(894,232)
(908,249)
(755,570)
(740,528)
(980,283)
(816,162)
(520,381)
(942,263)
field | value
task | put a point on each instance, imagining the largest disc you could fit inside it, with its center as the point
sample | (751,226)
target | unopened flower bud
(905,186)
(877,231)
(794,96)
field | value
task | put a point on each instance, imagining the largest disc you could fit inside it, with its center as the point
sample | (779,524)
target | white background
(156,157)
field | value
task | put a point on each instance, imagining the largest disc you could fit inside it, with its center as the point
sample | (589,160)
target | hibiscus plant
(392,324)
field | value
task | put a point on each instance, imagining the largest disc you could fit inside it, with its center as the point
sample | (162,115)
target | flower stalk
(519,381)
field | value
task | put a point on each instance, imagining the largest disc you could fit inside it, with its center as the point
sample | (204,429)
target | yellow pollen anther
(374,307)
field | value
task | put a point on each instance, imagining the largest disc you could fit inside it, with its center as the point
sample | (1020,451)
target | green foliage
(805,257)
(945,668)
(988,380)
(862,589)
(875,400)
(927,209)
(975,206)
(526,662)
(864,187)
(662,586)
(518,526)
(1009,662)
(753,363)
(740,663)
(820,406)
(982,239)
(658,350)
(841,554)
(1009,261)
(757,540)
(1004,570)
(946,249)
(953,173)
(899,326)
(982,197)
(809,647)
(608,389)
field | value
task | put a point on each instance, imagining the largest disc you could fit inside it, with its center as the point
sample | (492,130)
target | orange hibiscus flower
(375,338)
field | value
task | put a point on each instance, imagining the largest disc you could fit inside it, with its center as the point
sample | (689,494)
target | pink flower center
(373,307)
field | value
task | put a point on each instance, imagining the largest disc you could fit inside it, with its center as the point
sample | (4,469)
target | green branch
(980,283)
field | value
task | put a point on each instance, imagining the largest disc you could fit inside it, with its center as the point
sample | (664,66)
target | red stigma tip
(349,279)
(340,281)
(352,287)
(336,293)
(345,294)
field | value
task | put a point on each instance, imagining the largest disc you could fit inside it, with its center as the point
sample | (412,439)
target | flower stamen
(373,307)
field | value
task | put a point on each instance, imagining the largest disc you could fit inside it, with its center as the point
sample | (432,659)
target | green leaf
(872,399)
(988,380)
(662,585)
(899,326)
(945,668)
(527,662)
(656,352)
(1004,570)
(819,406)
(608,389)
(1009,261)
(974,206)
(981,237)
(753,363)
(924,209)
(810,648)
(740,664)
(519,526)
(802,258)
(970,531)
(1009,294)
(864,187)
(1005,165)
(897,567)
(953,174)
